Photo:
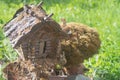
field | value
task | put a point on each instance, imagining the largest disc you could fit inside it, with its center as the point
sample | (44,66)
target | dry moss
(83,42)
(26,70)
(19,70)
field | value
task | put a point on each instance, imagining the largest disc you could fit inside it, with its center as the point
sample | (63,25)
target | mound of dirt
(83,42)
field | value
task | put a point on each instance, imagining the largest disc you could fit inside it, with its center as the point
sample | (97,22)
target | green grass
(100,14)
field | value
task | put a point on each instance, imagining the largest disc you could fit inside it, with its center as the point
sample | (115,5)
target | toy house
(34,35)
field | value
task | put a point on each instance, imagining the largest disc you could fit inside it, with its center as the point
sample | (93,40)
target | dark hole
(44,47)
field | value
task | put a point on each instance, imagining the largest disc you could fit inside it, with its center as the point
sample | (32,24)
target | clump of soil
(83,42)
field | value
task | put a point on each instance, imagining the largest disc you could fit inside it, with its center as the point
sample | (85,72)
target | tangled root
(83,43)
